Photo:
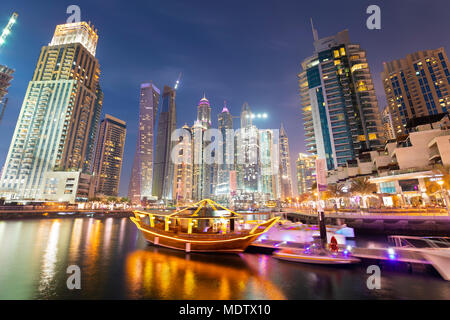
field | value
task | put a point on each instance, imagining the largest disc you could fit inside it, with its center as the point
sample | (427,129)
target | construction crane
(7,30)
(178,81)
(5,102)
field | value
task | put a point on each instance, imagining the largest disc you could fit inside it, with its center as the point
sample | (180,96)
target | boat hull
(198,243)
(315,259)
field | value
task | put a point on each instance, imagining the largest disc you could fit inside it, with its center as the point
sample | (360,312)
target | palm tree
(362,187)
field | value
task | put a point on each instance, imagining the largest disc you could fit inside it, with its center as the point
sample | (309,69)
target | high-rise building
(225,124)
(416,86)
(340,109)
(269,165)
(57,115)
(285,165)
(247,158)
(197,158)
(163,168)
(204,112)
(5,80)
(183,169)
(306,172)
(109,156)
(388,125)
(141,180)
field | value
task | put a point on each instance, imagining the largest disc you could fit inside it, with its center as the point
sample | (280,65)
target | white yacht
(435,250)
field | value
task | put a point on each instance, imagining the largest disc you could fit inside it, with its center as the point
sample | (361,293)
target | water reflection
(163,274)
(117,263)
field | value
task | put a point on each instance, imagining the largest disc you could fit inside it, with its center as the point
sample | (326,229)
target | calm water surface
(117,263)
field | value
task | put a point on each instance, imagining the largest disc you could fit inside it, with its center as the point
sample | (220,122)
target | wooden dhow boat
(206,226)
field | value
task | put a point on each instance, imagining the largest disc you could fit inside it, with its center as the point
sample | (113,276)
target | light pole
(440,183)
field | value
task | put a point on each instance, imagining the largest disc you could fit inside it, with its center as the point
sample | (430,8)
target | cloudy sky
(238,51)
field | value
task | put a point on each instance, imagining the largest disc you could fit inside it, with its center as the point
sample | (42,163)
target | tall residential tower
(109,156)
(141,179)
(340,108)
(416,86)
(163,169)
(57,115)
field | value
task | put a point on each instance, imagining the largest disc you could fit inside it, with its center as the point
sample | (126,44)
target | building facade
(141,180)
(416,86)
(285,165)
(57,115)
(225,124)
(163,168)
(306,172)
(388,125)
(182,183)
(109,156)
(340,109)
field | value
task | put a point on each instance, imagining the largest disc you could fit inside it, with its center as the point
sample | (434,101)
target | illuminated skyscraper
(57,115)
(269,165)
(225,121)
(416,86)
(285,165)
(306,172)
(163,168)
(109,156)
(340,108)
(141,179)
(247,153)
(197,158)
(183,169)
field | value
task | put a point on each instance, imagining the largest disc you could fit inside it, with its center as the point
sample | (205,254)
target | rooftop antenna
(178,81)
(7,30)
(314,31)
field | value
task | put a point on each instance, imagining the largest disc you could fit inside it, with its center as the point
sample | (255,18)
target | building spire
(282,131)
(314,31)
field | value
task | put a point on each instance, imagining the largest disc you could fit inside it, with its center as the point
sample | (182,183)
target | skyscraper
(269,165)
(285,165)
(247,160)
(183,169)
(306,172)
(340,109)
(109,156)
(204,112)
(57,114)
(416,86)
(197,158)
(163,168)
(225,122)
(388,125)
(141,179)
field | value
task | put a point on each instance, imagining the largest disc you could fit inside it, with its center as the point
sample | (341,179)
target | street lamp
(440,183)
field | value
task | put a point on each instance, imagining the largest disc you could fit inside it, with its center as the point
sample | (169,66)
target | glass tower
(340,109)
(163,169)
(109,156)
(141,179)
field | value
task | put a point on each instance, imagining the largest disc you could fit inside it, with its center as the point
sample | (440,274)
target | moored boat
(320,256)
(203,227)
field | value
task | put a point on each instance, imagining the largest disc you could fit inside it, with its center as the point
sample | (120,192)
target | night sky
(238,51)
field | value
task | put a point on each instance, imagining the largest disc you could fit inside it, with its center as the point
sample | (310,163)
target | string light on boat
(391,253)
